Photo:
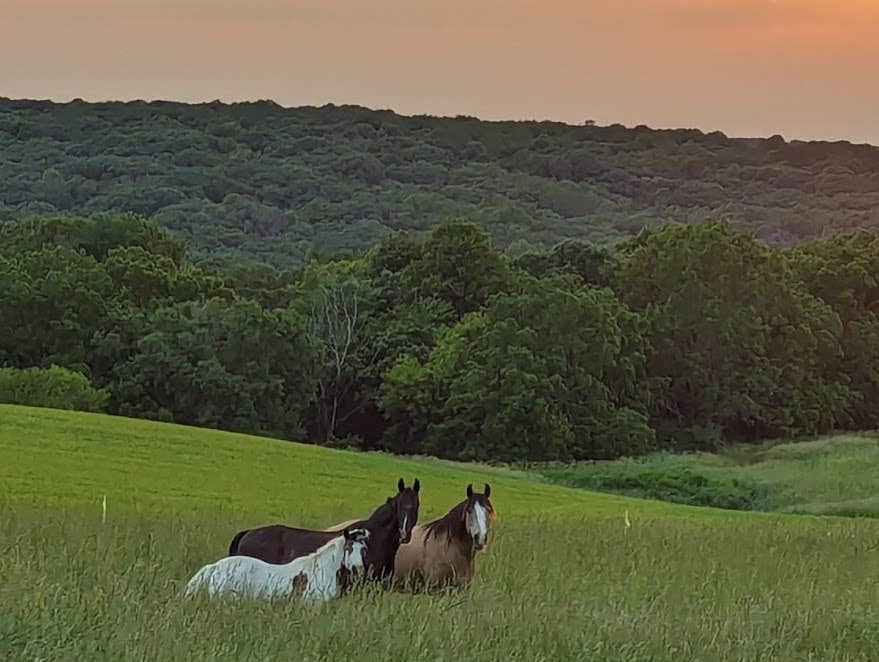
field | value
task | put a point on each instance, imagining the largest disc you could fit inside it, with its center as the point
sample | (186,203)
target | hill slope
(559,580)
(834,475)
(59,457)
(256,180)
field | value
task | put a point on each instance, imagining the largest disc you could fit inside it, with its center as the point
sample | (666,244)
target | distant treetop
(262,183)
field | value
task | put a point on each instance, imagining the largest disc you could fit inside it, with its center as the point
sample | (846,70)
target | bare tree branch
(336,323)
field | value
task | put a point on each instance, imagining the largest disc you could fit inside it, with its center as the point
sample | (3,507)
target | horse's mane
(447,524)
(334,545)
(380,515)
(338,541)
(302,561)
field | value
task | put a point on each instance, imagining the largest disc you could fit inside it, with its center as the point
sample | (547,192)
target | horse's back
(278,543)
(241,575)
(338,528)
(198,581)
(211,578)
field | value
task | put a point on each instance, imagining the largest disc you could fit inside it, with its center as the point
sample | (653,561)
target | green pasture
(564,578)
(834,475)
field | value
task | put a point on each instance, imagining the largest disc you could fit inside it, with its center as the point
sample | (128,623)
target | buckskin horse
(319,576)
(442,553)
(389,525)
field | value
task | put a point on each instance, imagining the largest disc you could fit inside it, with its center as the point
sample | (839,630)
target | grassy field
(563,578)
(830,476)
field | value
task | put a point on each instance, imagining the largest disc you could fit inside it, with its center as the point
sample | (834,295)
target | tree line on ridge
(679,338)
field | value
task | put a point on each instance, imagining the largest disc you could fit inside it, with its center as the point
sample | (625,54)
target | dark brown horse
(443,552)
(388,526)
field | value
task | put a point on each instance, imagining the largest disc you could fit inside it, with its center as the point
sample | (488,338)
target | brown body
(278,543)
(442,553)
(434,562)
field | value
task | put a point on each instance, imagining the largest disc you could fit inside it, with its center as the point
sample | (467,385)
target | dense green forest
(258,182)
(678,338)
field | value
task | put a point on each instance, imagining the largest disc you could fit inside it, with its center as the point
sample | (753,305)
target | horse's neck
(458,530)
(382,517)
(323,575)
(454,543)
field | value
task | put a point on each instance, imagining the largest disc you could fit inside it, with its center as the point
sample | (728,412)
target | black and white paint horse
(319,576)
(389,525)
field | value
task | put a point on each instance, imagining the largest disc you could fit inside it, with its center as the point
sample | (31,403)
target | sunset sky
(802,68)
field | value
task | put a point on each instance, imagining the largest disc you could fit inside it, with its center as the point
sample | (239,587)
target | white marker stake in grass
(104,510)
(628,523)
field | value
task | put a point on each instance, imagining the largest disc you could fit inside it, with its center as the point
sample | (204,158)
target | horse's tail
(233,546)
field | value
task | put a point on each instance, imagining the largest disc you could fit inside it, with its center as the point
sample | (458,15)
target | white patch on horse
(479,524)
(248,576)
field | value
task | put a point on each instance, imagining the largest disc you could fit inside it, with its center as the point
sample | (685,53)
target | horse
(442,553)
(319,576)
(389,525)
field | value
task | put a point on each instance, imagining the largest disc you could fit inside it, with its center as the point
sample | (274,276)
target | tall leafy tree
(221,364)
(52,303)
(593,264)
(458,264)
(95,235)
(843,271)
(517,383)
(738,344)
(414,391)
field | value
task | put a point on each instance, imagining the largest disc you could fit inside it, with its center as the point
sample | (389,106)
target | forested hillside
(256,181)
(681,337)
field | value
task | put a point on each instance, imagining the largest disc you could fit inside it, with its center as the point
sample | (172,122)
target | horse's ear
(416,485)
(400,485)
(487,490)
(470,490)
(388,500)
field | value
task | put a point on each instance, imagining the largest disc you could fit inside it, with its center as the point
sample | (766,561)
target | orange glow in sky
(801,68)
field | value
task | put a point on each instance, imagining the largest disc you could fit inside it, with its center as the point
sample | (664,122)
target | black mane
(381,516)
(383,524)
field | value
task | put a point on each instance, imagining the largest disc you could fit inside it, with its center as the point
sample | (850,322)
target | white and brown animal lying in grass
(319,576)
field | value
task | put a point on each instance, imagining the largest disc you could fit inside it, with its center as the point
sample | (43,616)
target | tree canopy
(255,182)
(684,336)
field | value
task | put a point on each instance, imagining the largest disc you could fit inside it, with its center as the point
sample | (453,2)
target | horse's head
(406,505)
(478,514)
(354,549)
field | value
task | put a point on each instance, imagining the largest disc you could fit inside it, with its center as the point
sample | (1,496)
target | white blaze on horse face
(403,525)
(478,525)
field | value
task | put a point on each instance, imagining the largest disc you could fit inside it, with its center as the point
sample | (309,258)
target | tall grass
(563,578)
(665,589)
